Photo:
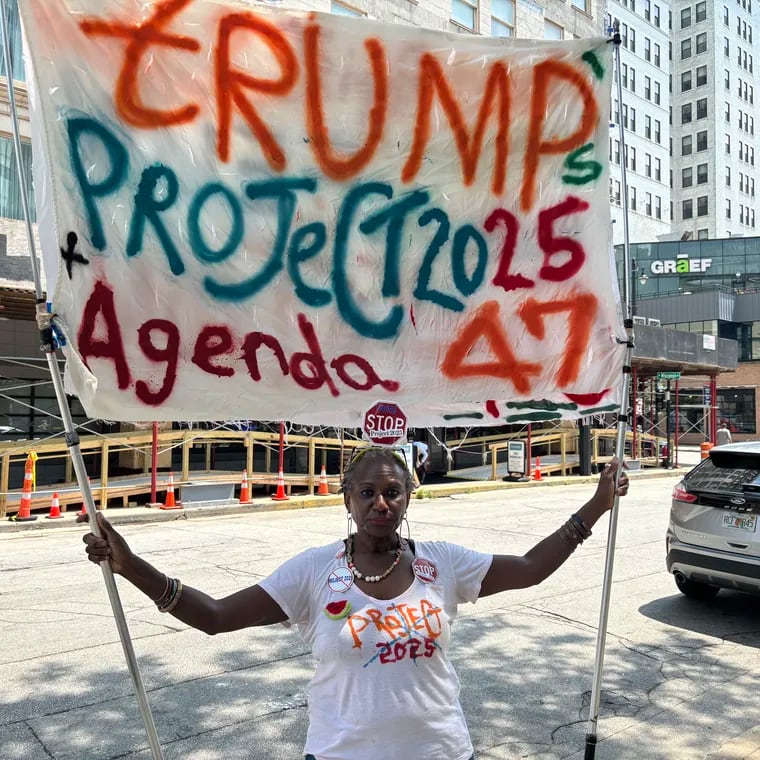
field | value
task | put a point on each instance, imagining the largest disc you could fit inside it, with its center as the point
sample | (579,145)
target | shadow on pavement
(730,616)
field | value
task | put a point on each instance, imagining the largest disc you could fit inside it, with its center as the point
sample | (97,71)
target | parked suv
(713,539)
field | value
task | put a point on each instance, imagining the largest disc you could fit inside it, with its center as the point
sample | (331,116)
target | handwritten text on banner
(277,215)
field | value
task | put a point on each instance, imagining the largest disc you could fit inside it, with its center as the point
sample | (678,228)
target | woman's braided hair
(376,452)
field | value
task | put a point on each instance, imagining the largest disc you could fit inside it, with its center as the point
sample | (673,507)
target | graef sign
(682,264)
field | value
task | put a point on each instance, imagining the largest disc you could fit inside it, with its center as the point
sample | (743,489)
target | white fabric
(384,688)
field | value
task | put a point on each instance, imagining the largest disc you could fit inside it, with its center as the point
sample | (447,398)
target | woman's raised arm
(250,607)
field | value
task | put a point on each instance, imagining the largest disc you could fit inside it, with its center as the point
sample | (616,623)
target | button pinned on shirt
(425,570)
(340,580)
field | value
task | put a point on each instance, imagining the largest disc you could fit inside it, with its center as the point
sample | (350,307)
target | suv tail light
(681,494)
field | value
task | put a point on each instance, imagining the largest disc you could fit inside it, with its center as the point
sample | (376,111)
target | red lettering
(213,340)
(251,345)
(503,278)
(552,245)
(313,359)
(101,302)
(169,354)
(371,377)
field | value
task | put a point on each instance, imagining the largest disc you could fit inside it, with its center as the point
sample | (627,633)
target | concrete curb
(136,515)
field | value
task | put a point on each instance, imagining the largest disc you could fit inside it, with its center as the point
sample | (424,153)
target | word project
(293,215)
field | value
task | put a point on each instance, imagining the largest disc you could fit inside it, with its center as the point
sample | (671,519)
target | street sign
(384,424)
(516,457)
(668,375)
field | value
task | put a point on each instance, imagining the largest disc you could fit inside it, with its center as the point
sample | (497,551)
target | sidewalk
(123,515)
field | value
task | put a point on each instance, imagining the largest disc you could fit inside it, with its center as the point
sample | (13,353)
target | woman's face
(377,499)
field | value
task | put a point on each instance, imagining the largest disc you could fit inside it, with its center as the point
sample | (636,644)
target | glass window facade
(681,267)
(14,35)
(31,410)
(736,407)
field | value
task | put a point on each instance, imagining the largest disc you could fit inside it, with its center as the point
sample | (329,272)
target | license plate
(740,522)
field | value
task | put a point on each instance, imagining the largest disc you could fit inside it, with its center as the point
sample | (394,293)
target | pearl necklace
(371,578)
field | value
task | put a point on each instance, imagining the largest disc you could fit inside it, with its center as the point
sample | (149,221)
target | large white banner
(276,215)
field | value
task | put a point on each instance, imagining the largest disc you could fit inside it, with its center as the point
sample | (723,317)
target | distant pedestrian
(723,436)
(421,460)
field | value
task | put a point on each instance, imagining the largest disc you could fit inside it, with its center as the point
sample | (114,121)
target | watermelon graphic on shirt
(338,610)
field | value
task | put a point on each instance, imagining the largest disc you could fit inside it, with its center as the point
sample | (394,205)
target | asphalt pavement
(680,677)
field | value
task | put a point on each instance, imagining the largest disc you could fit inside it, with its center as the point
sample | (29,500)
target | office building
(715,166)
(646,101)
(710,288)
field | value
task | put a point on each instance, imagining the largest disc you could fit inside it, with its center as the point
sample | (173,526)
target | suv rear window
(725,474)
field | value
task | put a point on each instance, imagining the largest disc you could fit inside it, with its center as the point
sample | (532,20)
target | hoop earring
(408,529)
(348,525)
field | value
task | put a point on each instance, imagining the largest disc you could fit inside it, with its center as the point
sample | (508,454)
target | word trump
(296,52)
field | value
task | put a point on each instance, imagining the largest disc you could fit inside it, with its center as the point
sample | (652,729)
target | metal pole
(44,322)
(675,432)
(282,447)
(635,413)
(713,409)
(668,427)
(154,466)
(593,718)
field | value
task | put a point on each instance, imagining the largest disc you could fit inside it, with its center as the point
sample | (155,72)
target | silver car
(713,540)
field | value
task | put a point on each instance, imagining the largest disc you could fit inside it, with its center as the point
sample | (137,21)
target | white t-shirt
(384,688)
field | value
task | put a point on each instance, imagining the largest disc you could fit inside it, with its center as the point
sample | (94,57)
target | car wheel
(695,589)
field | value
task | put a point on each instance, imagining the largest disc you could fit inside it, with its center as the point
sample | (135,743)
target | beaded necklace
(371,578)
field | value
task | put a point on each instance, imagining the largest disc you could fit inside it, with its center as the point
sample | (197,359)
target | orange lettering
(140,38)
(485,324)
(356,624)
(432,79)
(411,616)
(543,73)
(582,308)
(335,166)
(231,85)
(430,614)
(376,617)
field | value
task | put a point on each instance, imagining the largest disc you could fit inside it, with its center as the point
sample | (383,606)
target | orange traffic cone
(170,503)
(280,495)
(537,473)
(245,496)
(24,513)
(323,489)
(55,508)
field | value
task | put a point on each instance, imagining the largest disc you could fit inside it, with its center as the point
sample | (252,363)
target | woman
(376,610)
